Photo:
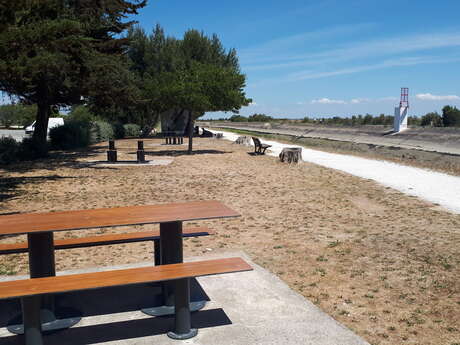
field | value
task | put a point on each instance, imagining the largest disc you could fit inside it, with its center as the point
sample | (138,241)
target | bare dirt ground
(384,264)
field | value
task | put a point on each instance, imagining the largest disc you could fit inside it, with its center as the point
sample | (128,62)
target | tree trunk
(41,129)
(191,127)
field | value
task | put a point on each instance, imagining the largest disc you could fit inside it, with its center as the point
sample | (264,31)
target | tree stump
(291,154)
(244,140)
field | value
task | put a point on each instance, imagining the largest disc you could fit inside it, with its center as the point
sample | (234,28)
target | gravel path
(435,187)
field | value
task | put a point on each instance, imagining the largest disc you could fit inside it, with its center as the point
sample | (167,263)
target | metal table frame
(176,295)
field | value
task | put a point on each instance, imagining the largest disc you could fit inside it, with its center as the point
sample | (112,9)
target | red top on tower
(404,97)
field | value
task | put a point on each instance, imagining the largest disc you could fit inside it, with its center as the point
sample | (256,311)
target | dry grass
(442,162)
(384,264)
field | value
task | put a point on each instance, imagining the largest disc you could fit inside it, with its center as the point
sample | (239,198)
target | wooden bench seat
(85,281)
(108,239)
(101,240)
(31,290)
(259,148)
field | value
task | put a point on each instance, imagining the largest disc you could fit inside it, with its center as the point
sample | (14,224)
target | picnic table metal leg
(171,252)
(156,252)
(42,264)
(32,320)
(182,322)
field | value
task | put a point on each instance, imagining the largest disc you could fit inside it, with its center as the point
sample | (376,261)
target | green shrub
(9,150)
(81,114)
(29,150)
(132,130)
(101,131)
(118,130)
(73,134)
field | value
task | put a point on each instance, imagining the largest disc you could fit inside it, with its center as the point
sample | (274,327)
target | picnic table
(40,228)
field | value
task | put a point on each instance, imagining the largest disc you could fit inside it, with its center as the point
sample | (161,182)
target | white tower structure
(401,112)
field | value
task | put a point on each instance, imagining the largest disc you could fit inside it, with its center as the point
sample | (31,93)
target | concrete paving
(152,162)
(245,308)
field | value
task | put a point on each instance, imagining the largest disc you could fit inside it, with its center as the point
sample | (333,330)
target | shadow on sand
(9,185)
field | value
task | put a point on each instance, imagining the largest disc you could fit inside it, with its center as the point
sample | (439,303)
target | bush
(118,130)
(29,150)
(450,116)
(132,130)
(17,114)
(9,150)
(101,131)
(431,119)
(73,134)
(81,114)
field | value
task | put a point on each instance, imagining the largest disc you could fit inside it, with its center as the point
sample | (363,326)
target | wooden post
(112,155)
(112,152)
(140,156)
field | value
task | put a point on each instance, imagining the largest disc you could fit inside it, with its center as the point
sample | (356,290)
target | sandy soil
(382,263)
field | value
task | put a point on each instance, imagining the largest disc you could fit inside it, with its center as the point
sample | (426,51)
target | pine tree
(184,78)
(54,52)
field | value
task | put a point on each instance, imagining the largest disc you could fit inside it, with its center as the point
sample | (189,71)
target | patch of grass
(6,270)
(321,258)
(320,271)
(333,244)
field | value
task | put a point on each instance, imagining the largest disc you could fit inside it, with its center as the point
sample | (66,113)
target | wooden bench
(32,290)
(259,148)
(108,239)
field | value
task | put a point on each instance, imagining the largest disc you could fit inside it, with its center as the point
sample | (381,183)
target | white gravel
(438,188)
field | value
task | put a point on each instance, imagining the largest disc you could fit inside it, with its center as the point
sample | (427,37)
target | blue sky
(330,57)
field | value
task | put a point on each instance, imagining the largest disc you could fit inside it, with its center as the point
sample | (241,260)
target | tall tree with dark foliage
(56,52)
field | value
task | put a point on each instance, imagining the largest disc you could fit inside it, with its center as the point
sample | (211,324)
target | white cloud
(271,51)
(430,97)
(253,104)
(406,61)
(359,100)
(328,101)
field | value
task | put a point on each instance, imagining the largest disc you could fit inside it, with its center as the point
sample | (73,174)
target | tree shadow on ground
(9,185)
(56,160)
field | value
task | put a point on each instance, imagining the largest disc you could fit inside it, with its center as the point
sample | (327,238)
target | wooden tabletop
(107,217)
